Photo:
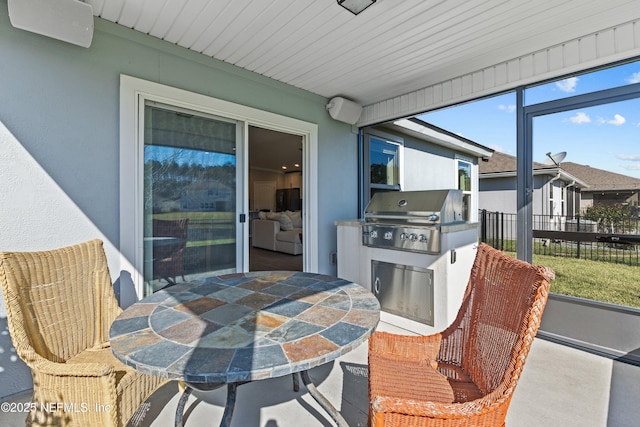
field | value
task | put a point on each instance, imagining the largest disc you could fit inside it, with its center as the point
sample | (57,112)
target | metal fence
(607,239)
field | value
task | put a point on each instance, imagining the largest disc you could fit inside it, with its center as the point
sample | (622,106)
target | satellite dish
(556,159)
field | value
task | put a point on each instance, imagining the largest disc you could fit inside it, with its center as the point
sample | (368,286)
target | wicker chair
(168,261)
(466,374)
(60,305)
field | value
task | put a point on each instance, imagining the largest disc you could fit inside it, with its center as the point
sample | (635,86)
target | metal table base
(231,399)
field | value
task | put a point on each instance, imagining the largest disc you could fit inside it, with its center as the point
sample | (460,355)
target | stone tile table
(232,329)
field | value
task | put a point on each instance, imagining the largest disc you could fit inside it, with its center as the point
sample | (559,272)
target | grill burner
(410,220)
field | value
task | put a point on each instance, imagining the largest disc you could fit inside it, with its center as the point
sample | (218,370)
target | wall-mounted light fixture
(356,6)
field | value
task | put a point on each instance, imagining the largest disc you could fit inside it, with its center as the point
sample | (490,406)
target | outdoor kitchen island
(418,266)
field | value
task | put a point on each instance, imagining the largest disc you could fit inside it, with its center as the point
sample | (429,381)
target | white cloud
(635,78)
(580,118)
(507,108)
(617,120)
(632,166)
(631,157)
(568,85)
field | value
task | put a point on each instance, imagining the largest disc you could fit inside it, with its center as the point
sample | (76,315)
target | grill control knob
(388,235)
(423,238)
(404,236)
(413,237)
(373,234)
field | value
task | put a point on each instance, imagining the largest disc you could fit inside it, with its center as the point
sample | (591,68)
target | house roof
(428,132)
(504,165)
(391,49)
(501,162)
(593,179)
(600,179)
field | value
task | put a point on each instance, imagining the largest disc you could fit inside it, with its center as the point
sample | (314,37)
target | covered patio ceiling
(392,48)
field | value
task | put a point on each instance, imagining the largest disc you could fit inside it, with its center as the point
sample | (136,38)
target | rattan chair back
(465,375)
(57,299)
(60,305)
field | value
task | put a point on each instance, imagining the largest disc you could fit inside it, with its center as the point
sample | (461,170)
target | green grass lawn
(594,280)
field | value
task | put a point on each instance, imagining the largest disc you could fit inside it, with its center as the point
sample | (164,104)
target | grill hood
(425,207)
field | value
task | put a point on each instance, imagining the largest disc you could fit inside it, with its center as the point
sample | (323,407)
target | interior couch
(278,231)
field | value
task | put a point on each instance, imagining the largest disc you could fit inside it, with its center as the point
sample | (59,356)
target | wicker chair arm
(414,347)
(419,408)
(57,369)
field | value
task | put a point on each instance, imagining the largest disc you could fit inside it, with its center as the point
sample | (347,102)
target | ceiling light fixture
(356,6)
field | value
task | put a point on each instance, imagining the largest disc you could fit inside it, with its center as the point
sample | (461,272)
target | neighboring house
(556,192)
(207,196)
(604,187)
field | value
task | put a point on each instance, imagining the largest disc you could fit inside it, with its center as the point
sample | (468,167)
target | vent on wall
(67,20)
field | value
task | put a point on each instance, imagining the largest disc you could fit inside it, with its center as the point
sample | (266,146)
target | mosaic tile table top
(244,326)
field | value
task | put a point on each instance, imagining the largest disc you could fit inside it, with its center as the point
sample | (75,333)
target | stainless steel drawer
(404,290)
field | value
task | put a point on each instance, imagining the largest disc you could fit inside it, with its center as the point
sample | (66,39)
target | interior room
(275,187)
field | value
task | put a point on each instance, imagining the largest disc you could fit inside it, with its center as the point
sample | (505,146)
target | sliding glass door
(191,195)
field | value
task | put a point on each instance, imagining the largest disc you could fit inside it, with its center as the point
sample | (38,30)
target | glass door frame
(240,174)
(134,93)
(525,116)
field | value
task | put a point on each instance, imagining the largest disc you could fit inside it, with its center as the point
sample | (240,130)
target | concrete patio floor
(560,387)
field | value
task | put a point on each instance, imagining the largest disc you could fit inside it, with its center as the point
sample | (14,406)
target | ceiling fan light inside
(356,6)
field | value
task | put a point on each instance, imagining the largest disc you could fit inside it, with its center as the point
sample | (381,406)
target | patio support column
(524,155)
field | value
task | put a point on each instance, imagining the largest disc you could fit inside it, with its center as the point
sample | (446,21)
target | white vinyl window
(464,174)
(382,163)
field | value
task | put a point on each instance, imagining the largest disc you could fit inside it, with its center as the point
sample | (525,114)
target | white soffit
(442,139)
(396,58)
(597,49)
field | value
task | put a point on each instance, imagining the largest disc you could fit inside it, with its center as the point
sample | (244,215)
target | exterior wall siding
(59,142)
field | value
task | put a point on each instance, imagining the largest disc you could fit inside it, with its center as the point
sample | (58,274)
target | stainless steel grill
(410,220)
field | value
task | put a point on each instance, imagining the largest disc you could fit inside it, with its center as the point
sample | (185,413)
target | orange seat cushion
(407,379)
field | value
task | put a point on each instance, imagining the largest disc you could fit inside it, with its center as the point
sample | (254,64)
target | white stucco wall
(427,165)
(498,195)
(59,142)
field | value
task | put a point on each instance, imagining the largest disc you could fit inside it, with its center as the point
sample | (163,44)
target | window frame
(368,186)
(472,193)
(133,93)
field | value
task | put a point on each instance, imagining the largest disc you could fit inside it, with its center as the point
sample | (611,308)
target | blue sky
(605,137)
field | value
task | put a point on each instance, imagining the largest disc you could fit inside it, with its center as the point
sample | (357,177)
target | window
(383,163)
(464,184)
